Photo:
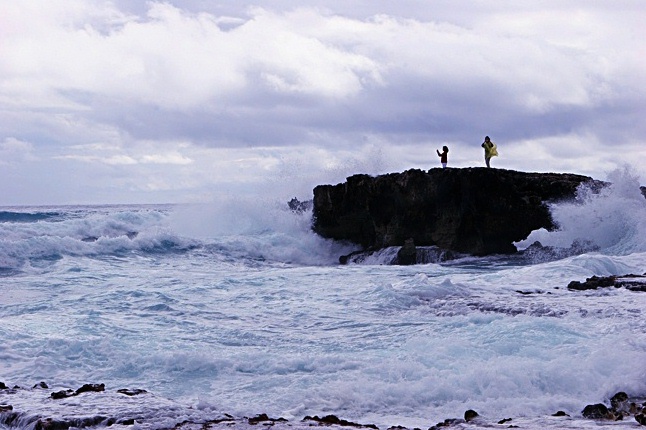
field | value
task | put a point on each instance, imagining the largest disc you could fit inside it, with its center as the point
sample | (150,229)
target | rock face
(477,211)
(630,282)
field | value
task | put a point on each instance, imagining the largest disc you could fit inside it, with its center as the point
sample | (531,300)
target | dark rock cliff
(478,211)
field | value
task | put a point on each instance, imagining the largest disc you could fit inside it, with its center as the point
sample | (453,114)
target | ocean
(225,311)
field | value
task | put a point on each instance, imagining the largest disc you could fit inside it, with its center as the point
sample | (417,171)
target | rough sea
(225,311)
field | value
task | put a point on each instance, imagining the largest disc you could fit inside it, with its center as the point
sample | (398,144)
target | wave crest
(612,219)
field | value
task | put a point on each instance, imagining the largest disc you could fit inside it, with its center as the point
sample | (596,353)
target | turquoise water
(255,316)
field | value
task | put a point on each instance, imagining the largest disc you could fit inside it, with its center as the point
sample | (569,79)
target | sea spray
(257,228)
(612,219)
(33,236)
(222,324)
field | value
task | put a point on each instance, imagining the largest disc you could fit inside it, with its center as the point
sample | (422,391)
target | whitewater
(236,308)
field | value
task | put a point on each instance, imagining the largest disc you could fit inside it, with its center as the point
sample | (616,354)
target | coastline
(137,408)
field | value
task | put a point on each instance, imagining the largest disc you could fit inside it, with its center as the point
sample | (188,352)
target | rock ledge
(477,211)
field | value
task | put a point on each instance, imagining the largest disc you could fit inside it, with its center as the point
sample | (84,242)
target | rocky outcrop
(630,282)
(96,388)
(621,407)
(478,211)
(330,420)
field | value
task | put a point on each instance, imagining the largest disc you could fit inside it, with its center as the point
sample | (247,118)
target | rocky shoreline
(630,282)
(621,407)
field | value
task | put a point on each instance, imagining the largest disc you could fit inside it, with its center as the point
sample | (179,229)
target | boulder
(131,392)
(407,254)
(334,420)
(62,394)
(470,415)
(630,282)
(477,211)
(621,406)
(596,411)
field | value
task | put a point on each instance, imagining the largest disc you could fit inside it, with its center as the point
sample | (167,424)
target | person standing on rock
(444,156)
(490,150)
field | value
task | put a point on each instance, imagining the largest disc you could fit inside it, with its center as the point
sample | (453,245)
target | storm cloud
(105,102)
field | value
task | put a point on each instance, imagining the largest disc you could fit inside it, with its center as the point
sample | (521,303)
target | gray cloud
(87,82)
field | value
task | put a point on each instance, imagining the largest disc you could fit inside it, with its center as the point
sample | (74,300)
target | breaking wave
(611,220)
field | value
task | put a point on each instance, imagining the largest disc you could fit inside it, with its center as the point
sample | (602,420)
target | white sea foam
(220,321)
(613,219)
(259,228)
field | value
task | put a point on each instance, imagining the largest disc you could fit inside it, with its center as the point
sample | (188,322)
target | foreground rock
(621,407)
(629,282)
(477,211)
(96,407)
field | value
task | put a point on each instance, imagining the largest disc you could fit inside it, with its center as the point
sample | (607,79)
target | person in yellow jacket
(490,149)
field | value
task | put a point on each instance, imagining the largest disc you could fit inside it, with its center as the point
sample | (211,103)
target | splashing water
(613,219)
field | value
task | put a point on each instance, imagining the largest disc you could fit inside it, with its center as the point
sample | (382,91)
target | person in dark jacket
(444,156)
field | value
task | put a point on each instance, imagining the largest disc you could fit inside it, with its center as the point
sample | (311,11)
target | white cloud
(169,58)
(176,95)
(11,144)
(13,150)
(168,158)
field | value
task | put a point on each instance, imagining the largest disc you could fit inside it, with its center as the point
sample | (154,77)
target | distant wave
(29,237)
(9,216)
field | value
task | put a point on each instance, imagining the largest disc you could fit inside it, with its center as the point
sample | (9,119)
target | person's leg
(487,161)
(444,165)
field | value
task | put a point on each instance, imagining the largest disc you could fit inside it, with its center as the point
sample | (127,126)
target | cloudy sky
(133,101)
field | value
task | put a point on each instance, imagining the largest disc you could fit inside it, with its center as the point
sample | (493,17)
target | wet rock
(9,419)
(641,419)
(229,419)
(134,392)
(90,388)
(62,394)
(446,423)
(334,420)
(593,283)
(423,255)
(537,252)
(597,411)
(476,211)
(50,424)
(84,389)
(630,282)
(3,386)
(619,402)
(407,254)
(55,424)
(560,414)
(6,408)
(41,385)
(622,406)
(262,418)
(470,415)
